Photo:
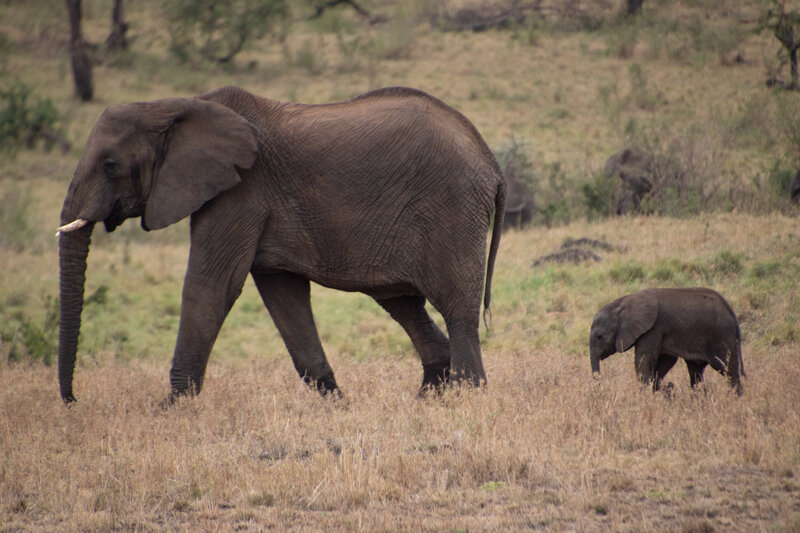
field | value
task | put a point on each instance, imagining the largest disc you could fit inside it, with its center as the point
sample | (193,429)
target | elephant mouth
(115,218)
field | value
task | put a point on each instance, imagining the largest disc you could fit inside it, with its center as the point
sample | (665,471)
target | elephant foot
(434,377)
(326,386)
(173,397)
(667,390)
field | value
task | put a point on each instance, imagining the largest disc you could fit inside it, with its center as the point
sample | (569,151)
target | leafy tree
(785,25)
(220,29)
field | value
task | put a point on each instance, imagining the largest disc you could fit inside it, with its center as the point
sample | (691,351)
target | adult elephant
(695,324)
(634,167)
(391,194)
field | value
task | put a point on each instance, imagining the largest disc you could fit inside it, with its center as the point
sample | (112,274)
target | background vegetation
(555,88)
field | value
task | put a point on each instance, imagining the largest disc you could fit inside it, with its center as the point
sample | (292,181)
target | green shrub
(218,30)
(663,271)
(727,263)
(626,272)
(766,269)
(599,197)
(26,339)
(17,233)
(25,116)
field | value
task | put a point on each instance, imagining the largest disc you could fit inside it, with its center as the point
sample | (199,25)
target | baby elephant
(696,324)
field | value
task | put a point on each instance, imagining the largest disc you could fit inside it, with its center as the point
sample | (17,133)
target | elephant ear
(637,314)
(205,142)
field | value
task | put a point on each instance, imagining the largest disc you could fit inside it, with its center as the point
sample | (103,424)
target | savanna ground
(544,446)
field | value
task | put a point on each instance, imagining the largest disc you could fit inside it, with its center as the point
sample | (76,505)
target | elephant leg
(696,369)
(731,367)
(465,349)
(646,357)
(288,300)
(429,341)
(663,365)
(205,304)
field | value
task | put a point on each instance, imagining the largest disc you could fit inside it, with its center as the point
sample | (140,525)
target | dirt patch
(577,251)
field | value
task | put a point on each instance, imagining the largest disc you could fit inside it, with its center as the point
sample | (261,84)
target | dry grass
(543,447)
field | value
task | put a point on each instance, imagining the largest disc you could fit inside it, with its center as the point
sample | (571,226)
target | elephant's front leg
(646,355)
(214,279)
(663,365)
(206,302)
(288,300)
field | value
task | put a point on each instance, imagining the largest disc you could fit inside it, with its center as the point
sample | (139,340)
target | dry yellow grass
(543,446)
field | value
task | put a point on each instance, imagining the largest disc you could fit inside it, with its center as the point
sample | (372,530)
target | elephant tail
(497,229)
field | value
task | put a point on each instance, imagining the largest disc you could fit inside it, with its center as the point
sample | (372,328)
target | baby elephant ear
(205,142)
(637,314)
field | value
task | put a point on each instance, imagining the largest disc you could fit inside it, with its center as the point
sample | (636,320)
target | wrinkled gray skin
(695,324)
(520,207)
(390,194)
(634,168)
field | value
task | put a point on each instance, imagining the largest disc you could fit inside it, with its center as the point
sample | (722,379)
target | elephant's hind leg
(288,300)
(429,341)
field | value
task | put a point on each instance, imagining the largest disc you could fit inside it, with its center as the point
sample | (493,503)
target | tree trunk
(81,66)
(116,39)
(634,6)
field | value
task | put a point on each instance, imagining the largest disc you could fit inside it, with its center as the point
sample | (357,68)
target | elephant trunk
(73,251)
(595,357)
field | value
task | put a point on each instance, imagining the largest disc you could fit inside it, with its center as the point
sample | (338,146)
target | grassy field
(544,446)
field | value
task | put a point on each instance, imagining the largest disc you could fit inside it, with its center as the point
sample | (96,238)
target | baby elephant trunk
(595,358)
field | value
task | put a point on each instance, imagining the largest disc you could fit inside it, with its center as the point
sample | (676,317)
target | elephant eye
(110,168)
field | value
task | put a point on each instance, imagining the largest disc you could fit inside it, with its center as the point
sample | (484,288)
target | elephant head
(159,160)
(618,325)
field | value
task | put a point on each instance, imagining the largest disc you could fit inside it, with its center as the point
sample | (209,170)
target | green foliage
(778,178)
(17,233)
(23,116)
(219,29)
(307,57)
(764,270)
(598,196)
(664,271)
(727,263)
(785,26)
(628,272)
(27,339)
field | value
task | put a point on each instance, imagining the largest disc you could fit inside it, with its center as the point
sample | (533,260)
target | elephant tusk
(72,226)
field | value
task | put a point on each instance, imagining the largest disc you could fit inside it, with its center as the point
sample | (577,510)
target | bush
(26,339)
(16,232)
(220,29)
(25,117)
(626,272)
